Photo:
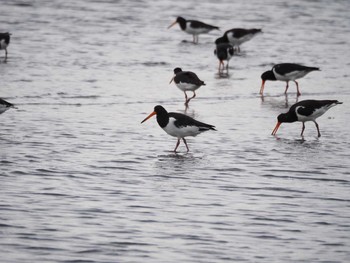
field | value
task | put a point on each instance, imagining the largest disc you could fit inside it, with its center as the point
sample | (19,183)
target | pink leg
(298,91)
(194,95)
(220,66)
(177,144)
(185,144)
(302,130)
(318,129)
(186,101)
(285,92)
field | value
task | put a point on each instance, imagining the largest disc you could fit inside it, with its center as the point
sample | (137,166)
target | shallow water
(83,181)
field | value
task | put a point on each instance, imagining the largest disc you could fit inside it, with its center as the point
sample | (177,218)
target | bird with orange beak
(193,27)
(286,72)
(303,111)
(187,81)
(178,125)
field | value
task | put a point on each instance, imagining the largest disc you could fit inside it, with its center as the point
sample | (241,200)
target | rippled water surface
(83,181)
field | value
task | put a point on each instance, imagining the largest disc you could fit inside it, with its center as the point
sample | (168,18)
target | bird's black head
(221,40)
(162,115)
(286,117)
(268,75)
(180,19)
(177,70)
(160,109)
(182,22)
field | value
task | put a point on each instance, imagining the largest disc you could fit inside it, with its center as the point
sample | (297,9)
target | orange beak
(262,87)
(172,79)
(172,24)
(149,116)
(276,128)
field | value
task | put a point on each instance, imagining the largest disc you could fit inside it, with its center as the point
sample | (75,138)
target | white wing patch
(238,41)
(317,113)
(290,76)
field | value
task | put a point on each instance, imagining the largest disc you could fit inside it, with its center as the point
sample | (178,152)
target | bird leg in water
(285,92)
(177,144)
(194,95)
(185,144)
(302,130)
(318,129)
(298,91)
(185,97)
(221,63)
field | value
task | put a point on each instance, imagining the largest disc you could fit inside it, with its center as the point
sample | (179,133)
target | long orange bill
(149,116)
(276,128)
(172,24)
(172,79)
(262,87)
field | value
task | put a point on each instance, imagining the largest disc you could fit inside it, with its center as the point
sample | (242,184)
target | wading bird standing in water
(303,111)
(178,125)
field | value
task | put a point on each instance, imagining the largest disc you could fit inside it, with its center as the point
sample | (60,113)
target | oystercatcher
(286,72)
(187,81)
(4,105)
(306,110)
(178,125)
(4,42)
(223,51)
(237,36)
(193,27)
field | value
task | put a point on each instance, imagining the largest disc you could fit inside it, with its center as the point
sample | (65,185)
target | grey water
(83,181)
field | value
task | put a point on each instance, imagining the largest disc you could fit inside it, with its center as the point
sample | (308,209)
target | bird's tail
(313,68)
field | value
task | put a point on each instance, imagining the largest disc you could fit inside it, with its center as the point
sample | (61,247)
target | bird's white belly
(196,31)
(290,76)
(238,41)
(3,44)
(180,132)
(186,86)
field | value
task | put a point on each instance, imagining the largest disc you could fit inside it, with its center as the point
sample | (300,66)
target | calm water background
(83,181)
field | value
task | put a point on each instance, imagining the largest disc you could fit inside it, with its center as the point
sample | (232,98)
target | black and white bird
(223,51)
(237,36)
(4,42)
(286,72)
(303,111)
(193,27)
(178,125)
(4,105)
(187,81)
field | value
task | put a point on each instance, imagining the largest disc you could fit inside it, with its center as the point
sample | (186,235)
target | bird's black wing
(305,111)
(199,24)
(188,77)
(6,37)
(193,78)
(307,107)
(285,68)
(4,102)
(183,120)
